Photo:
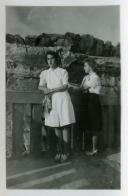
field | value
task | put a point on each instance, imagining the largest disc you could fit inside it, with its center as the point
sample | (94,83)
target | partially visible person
(91,86)
(59,112)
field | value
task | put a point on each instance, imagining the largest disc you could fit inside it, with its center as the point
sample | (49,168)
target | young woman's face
(51,61)
(86,67)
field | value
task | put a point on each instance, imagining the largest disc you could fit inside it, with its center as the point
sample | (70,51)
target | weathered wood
(36,135)
(111,126)
(36,97)
(104,130)
(109,136)
(17,130)
(109,100)
(24,97)
(9,120)
(110,133)
(117,123)
(36,128)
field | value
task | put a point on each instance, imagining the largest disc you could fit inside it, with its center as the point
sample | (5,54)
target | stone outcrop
(80,43)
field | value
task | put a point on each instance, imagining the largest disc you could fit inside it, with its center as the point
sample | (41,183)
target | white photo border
(124,97)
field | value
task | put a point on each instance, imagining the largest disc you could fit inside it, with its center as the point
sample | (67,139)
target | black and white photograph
(63,100)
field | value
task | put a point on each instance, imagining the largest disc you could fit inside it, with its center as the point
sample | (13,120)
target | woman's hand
(85,89)
(74,87)
(59,89)
(47,91)
(51,91)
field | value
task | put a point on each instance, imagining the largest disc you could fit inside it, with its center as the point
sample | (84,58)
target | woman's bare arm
(54,90)
(59,89)
(74,87)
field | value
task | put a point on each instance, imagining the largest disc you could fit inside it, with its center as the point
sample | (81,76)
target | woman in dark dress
(91,86)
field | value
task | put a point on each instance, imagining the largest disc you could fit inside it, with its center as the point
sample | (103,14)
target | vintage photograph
(63,108)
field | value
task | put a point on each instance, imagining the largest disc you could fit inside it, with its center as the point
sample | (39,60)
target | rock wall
(80,43)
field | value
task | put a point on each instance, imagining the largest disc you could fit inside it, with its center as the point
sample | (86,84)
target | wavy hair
(92,63)
(56,57)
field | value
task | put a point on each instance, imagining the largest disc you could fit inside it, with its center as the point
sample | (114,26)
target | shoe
(57,157)
(91,153)
(26,153)
(44,147)
(64,158)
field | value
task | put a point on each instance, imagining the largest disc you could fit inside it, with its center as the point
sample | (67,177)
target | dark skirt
(93,113)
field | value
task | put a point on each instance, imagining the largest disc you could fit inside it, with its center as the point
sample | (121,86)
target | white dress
(62,112)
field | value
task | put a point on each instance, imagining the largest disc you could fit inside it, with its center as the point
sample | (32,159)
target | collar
(91,73)
(50,69)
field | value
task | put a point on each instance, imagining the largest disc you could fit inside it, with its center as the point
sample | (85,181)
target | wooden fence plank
(117,122)
(111,126)
(17,133)
(36,97)
(104,130)
(36,128)
(24,97)
(110,134)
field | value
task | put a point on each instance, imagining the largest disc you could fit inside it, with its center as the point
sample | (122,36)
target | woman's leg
(66,140)
(94,146)
(94,122)
(58,133)
(65,152)
(94,143)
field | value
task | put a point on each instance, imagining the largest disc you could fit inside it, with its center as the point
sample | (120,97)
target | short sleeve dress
(62,112)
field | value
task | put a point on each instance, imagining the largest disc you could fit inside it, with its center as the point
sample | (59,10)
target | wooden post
(117,131)
(36,128)
(111,126)
(17,130)
(104,131)
(72,141)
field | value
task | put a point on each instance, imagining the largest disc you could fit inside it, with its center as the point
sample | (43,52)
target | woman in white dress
(54,82)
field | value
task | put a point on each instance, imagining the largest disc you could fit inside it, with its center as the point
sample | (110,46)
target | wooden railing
(20,100)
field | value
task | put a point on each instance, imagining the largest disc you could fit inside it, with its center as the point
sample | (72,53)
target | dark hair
(91,63)
(56,57)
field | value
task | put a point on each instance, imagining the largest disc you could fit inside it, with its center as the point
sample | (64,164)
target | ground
(79,172)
